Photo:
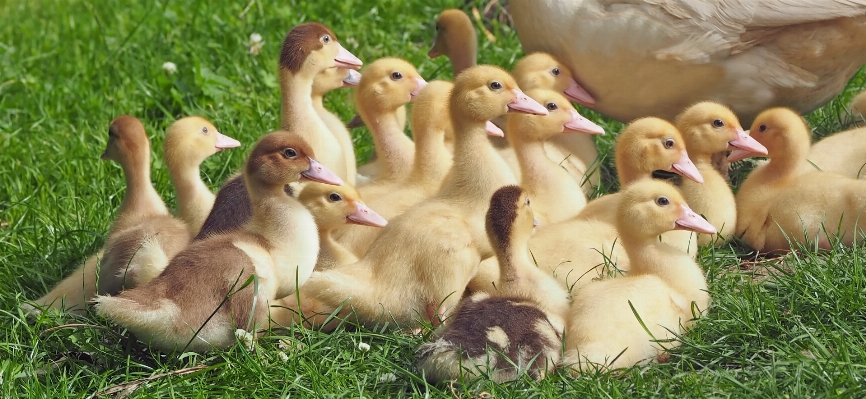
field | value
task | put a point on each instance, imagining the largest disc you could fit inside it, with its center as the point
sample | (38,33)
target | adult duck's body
(655,58)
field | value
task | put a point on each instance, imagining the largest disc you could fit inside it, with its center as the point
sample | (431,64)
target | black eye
(396,76)
(495,85)
(326,39)
(555,71)
(552,107)
(204,130)
(718,123)
(527,201)
(290,153)
(669,143)
(762,128)
(662,201)
(334,197)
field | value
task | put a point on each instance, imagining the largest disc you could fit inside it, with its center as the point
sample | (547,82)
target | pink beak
(353,79)
(745,146)
(225,142)
(579,124)
(687,168)
(689,220)
(318,172)
(525,104)
(420,84)
(578,94)
(365,216)
(345,59)
(493,130)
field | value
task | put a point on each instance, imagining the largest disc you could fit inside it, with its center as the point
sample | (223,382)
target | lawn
(785,327)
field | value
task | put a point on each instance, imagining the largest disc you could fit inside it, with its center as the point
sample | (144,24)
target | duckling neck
(296,99)
(512,259)
(782,165)
(140,198)
(318,101)
(431,156)
(332,254)
(540,175)
(673,266)
(280,218)
(194,198)
(393,148)
(465,54)
(477,169)
(629,174)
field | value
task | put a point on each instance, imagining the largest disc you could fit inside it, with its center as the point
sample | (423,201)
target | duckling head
(561,118)
(782,131)
(193,139)
(127,141)
(431,108)
(387,84)
(484,92)
(453,26)
(336,206)
(509,218)
(314,47)
(542,70)
(652,144)
(652,207)
(710,127)
(283,157)
(334,78)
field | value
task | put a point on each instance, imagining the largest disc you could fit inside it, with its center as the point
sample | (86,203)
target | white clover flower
(255,38)
(169,67)
(246,338)
(388,377)
(363,347)
(256,43)
(284,357)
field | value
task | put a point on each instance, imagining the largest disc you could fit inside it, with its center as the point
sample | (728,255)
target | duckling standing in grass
(145,236)
(201,298)
(709,128)
(787,200)
(663,292)
(514,328)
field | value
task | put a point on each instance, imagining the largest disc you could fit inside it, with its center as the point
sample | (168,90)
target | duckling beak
(578,94)
(687,168)
(579,124)
(535,222)
(365,216)
(353,79)
(525,104)
(345,59)
(745,146)
(225,142)
(493,130)
(691,221)
(420,83)
(319,173)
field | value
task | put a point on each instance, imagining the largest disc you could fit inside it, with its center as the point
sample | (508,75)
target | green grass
(68,67)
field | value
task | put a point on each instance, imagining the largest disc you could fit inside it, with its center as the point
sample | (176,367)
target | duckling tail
(144,314)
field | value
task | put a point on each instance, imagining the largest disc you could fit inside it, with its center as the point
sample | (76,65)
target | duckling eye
(326,39)
(495,85)
(762,128)
(552,107)
(662,201)
(290,153)
(396,76)
(718,123)
(204,129)
(527,201)
(334,197)
(669,143)
(555,71)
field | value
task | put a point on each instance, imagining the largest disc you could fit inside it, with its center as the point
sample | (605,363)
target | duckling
(144,235)
(201,298)
(387,84)
(843,153)
(430,125)
(308,49)
(515,328)
(787,199)
(403,275)
(333,207)
(326,81)
(665,287)
(656,57)
(709,128)
(455,39)
(557,196)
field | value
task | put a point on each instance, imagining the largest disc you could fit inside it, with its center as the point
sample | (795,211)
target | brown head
(430,110)
(709,127)
(192,139)
(314,47)
(455,39)
(387,84)
(783,132)
(283,157)
(650,144)
(484,92)
(509,218)
(336,206)
(544,71)
(562,118)
(652,207)
(127,141)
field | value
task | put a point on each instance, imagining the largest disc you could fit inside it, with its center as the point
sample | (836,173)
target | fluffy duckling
(430,125)
(422,261)
(709,128)
(387,85)
(515,328)
(326,81)
(144,235)
(333,207)
(455,39)
(665,286)
(787,199)
(843,153)
(557,196)
(201,298)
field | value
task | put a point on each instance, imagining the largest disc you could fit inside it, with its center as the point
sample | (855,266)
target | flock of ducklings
(491,241)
